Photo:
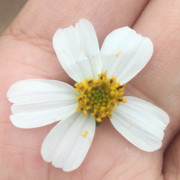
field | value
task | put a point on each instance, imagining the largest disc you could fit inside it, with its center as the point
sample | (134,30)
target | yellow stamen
(118,53)
(84,133)
(63,51)
(99,96)
(98,119)
(124,100)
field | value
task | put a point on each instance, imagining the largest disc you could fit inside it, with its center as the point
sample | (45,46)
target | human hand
(26,52)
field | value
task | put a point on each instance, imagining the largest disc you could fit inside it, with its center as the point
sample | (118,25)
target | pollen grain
(84,133)
(118,53)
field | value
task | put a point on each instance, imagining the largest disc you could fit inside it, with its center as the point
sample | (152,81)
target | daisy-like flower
(101,76)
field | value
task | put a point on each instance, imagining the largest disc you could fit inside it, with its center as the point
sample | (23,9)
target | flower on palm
(98,95)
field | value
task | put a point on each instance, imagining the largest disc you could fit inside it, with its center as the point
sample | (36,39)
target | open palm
(26,52)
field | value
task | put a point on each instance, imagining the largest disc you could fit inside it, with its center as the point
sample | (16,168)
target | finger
(40,19)
(171,160)
(160,80)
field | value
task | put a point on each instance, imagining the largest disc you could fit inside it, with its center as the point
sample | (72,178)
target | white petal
(64,146)
(38,102)
(125,53)
(141,123)
(78,51)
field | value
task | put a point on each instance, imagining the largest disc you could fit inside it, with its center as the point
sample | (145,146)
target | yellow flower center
(99,96)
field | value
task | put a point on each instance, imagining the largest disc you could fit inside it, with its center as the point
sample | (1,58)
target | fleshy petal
(125,53)
(78,51)
(68,142)
(141,123)
(38,102)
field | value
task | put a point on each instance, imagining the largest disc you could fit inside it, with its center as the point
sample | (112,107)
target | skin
(26,52)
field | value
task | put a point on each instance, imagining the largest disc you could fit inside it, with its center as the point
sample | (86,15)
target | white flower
(39,102)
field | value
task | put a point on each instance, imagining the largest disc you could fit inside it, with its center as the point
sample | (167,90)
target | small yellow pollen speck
(131,125)
(118,53)
(63,51)
(89,140)
(84,133)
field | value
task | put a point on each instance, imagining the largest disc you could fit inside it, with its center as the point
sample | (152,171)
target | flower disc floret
(99,96)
